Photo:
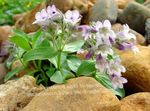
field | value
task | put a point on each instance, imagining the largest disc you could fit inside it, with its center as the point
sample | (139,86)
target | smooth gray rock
(135,16)
(147,29)
(104,9)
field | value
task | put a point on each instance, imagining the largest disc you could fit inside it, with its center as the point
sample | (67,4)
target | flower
(104,35)
(115,67)
(118,81)
(101,64)
(135,49)
(41,18)
(86,31)
(53,13)
(72,17)
(125,35)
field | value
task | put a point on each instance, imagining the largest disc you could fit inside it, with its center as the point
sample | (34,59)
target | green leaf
(41,53)
(73,46)
(73,63)
(67,74)
(21,40)
(105,81)
(57,77)
(37,38)
(10,74)
(86,68)
(50,72)
(54,60)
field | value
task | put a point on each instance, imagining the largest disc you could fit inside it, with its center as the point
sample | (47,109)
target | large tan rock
(138,69)
(78,94)
(139,38)
(123,3)
(136,102)
(16,94)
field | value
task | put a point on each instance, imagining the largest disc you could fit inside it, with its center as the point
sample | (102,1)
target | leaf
(73,46)
(50,72)
(21,40)
(105,81)
(41,53)
(10,74)
(73,63)
(54,60)
(67,74)
(57,77)
(37,38)
(86,68)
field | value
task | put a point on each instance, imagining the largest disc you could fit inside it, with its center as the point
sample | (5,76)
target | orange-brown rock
(5,31)
(136,102)
(138,69)
(123,3)
(139,38)
(78,94)
(16,94)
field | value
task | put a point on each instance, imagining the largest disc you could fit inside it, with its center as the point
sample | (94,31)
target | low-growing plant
(63,49)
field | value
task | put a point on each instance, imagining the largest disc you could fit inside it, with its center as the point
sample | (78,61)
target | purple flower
(72,17)
(53,13)
(86,31)
(89,55)
(118,81)
(101,64)
(41,18)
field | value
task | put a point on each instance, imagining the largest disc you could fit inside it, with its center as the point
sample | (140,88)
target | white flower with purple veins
(41,18)
(53,13)
(115,67)
(104,35)
(125,35)
(101,64)
(118,81)
(86,31)
(72,17)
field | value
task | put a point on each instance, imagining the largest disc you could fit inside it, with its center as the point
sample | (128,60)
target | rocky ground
(77,94)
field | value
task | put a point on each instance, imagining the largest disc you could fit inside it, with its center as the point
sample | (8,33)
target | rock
(135,16)
(5,31)
(104,9)
(139,38)
(123,3)
(18,16)
(147,29)
(26,22)
(16,94)
(78,94)
(138,69)
(136,102)
(2,72)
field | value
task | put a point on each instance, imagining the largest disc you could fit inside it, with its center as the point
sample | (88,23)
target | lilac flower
(89,55)
(125,35)
(41,18)
(101,64)
(104,33)
(86,31)
(72,17)
(115,67)
(118,81)
(53,13)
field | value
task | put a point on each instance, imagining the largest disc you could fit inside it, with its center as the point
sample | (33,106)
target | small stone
(5,31)
(136,102)
(78,94)
(123,3)
(137,69)
(104,9)
(16,94)
(135,16)
(147,29)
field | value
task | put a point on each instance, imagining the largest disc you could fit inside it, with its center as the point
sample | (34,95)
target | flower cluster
(99,38)
(102,39)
